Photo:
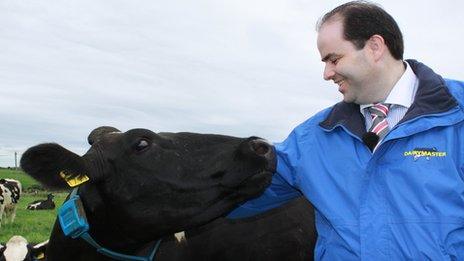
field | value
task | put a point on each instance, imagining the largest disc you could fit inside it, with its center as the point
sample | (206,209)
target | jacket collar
(432,97)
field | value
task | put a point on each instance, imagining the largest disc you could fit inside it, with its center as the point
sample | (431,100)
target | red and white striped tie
(379,113)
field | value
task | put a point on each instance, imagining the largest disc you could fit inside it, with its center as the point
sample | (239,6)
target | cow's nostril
(260,147)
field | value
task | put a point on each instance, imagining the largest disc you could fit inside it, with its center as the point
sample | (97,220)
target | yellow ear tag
(73,182)
(40,256)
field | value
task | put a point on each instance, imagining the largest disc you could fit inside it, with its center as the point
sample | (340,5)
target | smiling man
(366,71)
(357,160)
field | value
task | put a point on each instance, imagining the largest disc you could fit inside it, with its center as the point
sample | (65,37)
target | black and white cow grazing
(10,192)
(42,204)
(144,185)
(18,249)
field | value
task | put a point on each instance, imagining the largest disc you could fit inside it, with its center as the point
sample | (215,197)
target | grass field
(35,226)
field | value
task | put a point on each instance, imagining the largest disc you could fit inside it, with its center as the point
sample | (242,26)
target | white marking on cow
(33,206)
(41,244)
(16,249)
(180,237)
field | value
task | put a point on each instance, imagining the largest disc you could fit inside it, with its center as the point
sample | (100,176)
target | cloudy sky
(232,67)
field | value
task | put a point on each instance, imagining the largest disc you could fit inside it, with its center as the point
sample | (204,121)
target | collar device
(73,222)
(72,216)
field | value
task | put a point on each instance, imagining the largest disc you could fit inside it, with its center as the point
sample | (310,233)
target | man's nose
(329,72)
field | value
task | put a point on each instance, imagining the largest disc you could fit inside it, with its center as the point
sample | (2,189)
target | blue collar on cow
(73,222)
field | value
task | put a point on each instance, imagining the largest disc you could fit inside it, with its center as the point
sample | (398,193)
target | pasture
(35,226)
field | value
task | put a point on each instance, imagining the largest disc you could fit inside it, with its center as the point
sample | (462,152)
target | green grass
(35,225)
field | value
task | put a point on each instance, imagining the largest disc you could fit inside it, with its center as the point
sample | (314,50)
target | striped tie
(379,113)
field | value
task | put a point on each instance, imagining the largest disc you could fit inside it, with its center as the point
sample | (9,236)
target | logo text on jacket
(427,153)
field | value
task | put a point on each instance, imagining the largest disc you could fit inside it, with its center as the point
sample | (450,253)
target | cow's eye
(141,145)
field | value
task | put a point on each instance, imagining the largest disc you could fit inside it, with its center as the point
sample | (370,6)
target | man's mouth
(340,85)
(339,82)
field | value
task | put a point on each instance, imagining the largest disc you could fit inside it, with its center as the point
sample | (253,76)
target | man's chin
(347,98)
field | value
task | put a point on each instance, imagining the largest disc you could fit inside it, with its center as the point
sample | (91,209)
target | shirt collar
(403,92)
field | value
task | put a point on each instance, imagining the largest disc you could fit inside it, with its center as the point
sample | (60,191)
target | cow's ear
(2,249)
(38,251)
(54,166)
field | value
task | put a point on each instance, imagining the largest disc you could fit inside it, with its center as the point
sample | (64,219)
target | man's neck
(387,76)
(392,72)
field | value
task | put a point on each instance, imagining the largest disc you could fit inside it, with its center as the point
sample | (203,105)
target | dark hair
(361,20)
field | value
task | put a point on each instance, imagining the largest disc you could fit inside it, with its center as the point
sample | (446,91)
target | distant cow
(42,204)
(18,249)
(10,192)
(144,185)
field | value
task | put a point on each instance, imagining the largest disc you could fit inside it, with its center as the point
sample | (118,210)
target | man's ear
(377,46)
(54,166)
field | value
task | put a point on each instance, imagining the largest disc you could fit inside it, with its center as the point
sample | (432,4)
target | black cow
(42,204)
(285,233)
(143,185)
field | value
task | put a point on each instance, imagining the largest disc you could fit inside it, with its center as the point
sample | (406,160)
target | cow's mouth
(253,186)
(257,177)
(258,182)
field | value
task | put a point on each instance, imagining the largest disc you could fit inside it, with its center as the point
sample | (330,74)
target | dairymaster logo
(426,153)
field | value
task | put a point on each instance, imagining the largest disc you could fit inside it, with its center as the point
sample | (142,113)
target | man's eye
(335,61)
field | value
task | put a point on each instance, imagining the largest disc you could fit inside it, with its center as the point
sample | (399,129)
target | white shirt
(401,97)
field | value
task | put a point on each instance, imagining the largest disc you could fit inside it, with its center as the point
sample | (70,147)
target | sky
(231,67)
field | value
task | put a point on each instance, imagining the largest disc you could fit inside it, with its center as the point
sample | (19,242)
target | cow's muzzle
(266,150)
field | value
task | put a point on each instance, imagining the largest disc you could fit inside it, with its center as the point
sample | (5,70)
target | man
(384,168)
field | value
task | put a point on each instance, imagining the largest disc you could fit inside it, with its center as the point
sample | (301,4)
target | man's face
(349,68)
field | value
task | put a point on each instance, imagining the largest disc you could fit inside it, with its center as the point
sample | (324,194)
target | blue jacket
(405,201)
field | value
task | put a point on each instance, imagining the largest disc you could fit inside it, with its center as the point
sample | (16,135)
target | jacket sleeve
(283,187)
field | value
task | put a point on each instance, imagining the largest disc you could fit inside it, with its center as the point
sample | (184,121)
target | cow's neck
(103,227)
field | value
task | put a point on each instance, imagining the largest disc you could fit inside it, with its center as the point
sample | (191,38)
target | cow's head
(157,183)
